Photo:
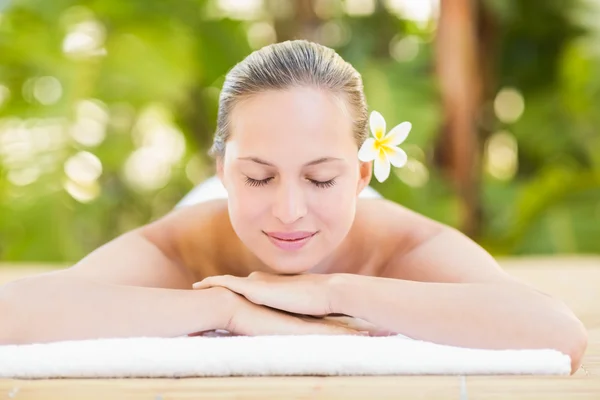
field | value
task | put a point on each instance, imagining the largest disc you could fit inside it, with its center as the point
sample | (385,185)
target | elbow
(575,343)
(570,338)
(565,333)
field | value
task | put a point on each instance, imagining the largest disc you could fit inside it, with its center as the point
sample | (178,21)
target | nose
(289,204)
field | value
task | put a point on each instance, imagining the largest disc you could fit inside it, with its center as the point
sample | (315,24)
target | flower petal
(368,151)
(397,156)
(398,134)
(377,125)
(382,166)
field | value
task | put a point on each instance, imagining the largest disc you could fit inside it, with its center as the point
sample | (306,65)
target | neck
(336,261)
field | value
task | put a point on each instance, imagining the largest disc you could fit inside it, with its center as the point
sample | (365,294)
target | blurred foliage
(107,109)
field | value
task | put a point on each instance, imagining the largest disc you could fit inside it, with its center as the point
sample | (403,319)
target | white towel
(267,355)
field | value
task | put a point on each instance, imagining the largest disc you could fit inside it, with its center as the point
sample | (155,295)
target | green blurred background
(107,109)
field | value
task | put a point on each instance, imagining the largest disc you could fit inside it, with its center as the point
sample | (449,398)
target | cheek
(246,205)
(336,210)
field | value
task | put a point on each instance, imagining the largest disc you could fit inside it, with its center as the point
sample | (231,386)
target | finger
(205,283)
(224,281)
(201,285)
(255,320)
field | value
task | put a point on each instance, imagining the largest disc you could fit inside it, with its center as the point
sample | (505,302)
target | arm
(458,295)
(55,307)
(432,283)
(137,285)
(131,286)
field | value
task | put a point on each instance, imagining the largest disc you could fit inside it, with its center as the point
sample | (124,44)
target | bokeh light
(241,9)
(85,39)
(145,170)
(359,7)
(333,34)
(404,49)
(501,155)
(327,9)
(415,10)
(91,119)
(261,34)
(414,173)
(509,105)
(47,90)
(161,145)
(83,168)
(83,193)
(24,176)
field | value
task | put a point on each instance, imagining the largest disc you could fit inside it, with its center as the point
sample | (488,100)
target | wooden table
(576,280)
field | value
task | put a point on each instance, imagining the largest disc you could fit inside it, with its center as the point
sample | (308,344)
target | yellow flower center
(382,149)
(382,144)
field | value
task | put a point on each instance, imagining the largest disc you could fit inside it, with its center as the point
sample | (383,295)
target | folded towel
(267,355)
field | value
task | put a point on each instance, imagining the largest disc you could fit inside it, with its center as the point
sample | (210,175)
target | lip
(297,235)
(290,240)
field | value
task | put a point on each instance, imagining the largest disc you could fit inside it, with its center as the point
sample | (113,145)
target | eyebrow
(314,162)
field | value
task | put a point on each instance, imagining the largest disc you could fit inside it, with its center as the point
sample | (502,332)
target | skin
(371,259)
(408,269)
(307,127)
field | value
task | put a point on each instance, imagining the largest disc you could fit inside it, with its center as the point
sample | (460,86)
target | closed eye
(257,182)
(262,182)
(323,185)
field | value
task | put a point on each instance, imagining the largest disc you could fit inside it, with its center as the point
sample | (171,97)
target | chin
(282,266)
(287,263)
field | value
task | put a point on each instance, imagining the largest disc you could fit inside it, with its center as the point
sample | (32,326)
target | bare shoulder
(390,221)
(196,236)
(384,230)
(415,247)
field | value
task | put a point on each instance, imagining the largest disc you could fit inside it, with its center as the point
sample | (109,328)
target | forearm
(52,308)
(493,316)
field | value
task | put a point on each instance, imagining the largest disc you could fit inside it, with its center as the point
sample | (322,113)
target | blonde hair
(293,63)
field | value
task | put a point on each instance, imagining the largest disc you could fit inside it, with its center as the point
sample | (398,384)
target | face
(292,174)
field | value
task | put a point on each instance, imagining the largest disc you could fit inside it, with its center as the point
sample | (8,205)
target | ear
(365,170)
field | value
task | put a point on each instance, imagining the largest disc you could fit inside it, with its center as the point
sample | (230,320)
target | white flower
(383,148)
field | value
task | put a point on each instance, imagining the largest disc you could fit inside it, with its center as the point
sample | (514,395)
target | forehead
(294,115)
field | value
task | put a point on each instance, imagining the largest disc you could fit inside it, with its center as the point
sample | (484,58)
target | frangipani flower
(383,148)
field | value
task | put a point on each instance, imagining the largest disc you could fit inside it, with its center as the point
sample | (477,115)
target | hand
(307,294)
(250,319)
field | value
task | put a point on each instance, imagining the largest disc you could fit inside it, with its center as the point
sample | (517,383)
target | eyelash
(319,184)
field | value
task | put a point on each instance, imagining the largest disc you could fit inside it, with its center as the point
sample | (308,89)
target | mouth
(290,240)
(290,236)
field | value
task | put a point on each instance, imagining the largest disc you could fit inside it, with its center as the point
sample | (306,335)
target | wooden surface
(576,280)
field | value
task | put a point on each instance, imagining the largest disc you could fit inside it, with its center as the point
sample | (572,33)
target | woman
(294,238)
